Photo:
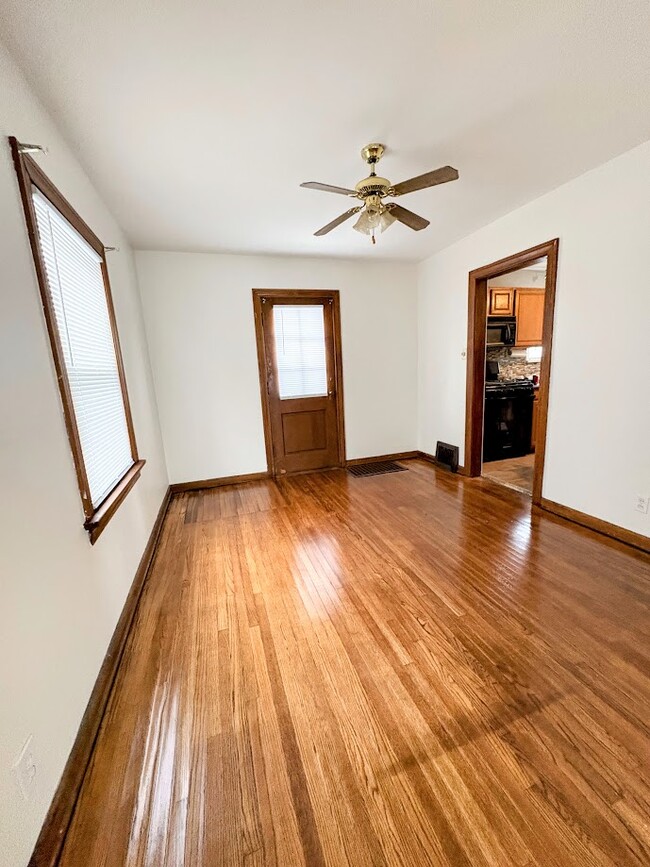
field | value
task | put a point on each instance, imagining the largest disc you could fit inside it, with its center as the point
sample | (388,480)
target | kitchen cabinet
(533,430)
(529,312)
(501,302)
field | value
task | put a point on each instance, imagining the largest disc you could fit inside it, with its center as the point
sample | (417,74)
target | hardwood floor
(406,669)
(516,473)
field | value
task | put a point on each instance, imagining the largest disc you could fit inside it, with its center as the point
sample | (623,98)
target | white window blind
(300,350)
(76,287)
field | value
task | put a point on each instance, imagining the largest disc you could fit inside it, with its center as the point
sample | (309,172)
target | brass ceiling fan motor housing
(373,185)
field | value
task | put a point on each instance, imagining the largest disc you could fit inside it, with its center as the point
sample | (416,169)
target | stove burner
(524,385)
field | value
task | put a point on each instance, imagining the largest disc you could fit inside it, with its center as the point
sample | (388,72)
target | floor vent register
(378,468)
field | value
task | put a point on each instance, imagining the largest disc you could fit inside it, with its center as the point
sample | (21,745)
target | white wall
(525,278)
(60,597)
(199,317)
(598,453)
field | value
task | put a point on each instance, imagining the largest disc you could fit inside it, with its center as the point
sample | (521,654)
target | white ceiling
(198,120)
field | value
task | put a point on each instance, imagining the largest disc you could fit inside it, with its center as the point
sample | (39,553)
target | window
(299,335)
(73,280)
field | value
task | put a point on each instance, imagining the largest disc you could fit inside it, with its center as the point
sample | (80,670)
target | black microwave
(501,330)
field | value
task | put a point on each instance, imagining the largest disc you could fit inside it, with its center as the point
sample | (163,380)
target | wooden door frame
(476,348)
(258,299)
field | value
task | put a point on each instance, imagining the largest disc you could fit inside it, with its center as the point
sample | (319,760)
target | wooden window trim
(96,524)
(31,175)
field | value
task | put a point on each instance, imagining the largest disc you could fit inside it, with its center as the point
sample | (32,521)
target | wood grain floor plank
(406,669)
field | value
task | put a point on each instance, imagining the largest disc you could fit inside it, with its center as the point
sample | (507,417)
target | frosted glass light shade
(386,220)
(362,225)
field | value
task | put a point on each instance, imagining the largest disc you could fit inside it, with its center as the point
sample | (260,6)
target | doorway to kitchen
(510,336)
(299,355)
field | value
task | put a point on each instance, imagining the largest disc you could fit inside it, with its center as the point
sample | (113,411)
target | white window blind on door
(76,287)
(299,332)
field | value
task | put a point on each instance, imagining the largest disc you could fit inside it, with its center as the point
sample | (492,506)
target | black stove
(508,418)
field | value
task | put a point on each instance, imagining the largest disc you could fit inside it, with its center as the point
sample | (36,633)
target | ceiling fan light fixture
(386,219)
(363,224)
(374,217)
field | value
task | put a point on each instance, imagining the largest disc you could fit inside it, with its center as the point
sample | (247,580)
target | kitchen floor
(514,473)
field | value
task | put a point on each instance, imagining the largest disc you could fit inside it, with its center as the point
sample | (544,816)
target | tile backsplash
(512,362)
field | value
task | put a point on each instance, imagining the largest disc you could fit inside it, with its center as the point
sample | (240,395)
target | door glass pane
(300,350)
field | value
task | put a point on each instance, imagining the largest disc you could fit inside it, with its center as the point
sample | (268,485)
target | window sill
(104,512)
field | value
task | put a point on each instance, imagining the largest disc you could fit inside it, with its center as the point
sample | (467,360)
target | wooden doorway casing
(331,298)
(476,348)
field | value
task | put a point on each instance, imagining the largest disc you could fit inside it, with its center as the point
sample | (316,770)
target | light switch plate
(642,504)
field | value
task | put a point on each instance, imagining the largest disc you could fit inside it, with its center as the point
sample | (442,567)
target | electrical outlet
(25,769)
(642,504)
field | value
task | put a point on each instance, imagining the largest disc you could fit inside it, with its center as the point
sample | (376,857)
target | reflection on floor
(515,473)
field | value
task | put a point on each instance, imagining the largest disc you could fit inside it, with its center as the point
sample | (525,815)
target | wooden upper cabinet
(501,302)
(529,311)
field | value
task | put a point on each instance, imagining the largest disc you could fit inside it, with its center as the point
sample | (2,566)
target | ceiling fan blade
(407,217)
(338,221)
(430,179)
(328,188)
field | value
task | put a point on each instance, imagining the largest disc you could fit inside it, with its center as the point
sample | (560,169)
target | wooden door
(529,312)
(298,339)
(500,302)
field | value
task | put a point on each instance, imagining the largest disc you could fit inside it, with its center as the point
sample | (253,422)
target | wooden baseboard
(50,841)
(425,456)
(636,540)
(179,487)
(374,459)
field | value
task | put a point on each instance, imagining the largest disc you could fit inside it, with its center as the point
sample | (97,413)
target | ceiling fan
(377,215)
